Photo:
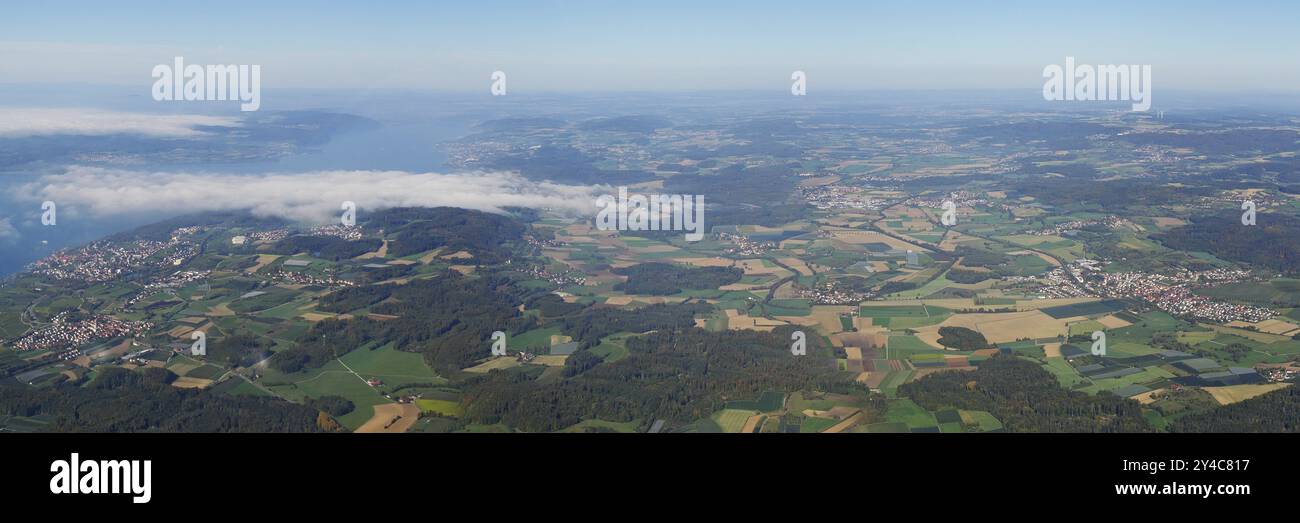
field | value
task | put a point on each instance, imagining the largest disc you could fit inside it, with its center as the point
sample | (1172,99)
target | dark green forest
(121,400)
(658,279)
(678,375)
(1277,411)
(1270,243)
(1026,398)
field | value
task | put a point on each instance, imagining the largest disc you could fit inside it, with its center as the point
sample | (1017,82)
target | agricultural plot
(899,323)
(767,402)
(287,310)
(909,414)
(239,387)
(895,378)
(392,366)
(262,300)
(799,402)
(1235,393)
(887,427)
(596,424)
(1128,349)
(1084,309)
(1085,327)
(205,372)
(536,340)
(791,307)
(390,418)
(900,347)
(812,425)
(334,380)
(1064,372)
(1066,249)
(1000,327)
(732,420)
(1146,376)
(442,407)
(892,311)
(612,348)
(982,420)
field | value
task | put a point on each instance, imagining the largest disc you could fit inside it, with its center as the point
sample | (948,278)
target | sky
(622,45)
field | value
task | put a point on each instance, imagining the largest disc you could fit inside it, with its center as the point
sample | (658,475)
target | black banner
(315,473)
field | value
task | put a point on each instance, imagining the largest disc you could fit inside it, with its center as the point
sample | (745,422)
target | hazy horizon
(659,46)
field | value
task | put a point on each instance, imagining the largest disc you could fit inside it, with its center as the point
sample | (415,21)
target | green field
(732,420)
(206,372)
(888,427)
(912,322)
(392,366)
(612,348)
(584,425)
(789,308)
(898,347)
(1091,308)
(238,387)
(981,419)
(767,402)
(890,386)
(1085,327)
(1149,323)
(1127,349)
(333,380)
(929,288)
(11,325)
(1147,375)
(1064,372)
(908,413)
(444,407)
(891,311)
(813,425)
(272,298)
(533,339)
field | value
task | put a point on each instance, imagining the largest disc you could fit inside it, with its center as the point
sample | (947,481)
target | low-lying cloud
(23,122)
(313,197)
(7,230)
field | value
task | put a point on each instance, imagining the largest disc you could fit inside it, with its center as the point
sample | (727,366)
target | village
(1170,293)
(67,332)
(105,261)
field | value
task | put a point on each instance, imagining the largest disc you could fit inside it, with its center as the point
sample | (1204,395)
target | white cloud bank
(7,230)
(313,197)
(22,122)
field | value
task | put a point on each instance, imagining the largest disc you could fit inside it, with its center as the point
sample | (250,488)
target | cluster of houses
(66,332)
(106,261)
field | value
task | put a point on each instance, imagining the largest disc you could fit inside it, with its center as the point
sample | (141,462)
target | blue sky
(666,44)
